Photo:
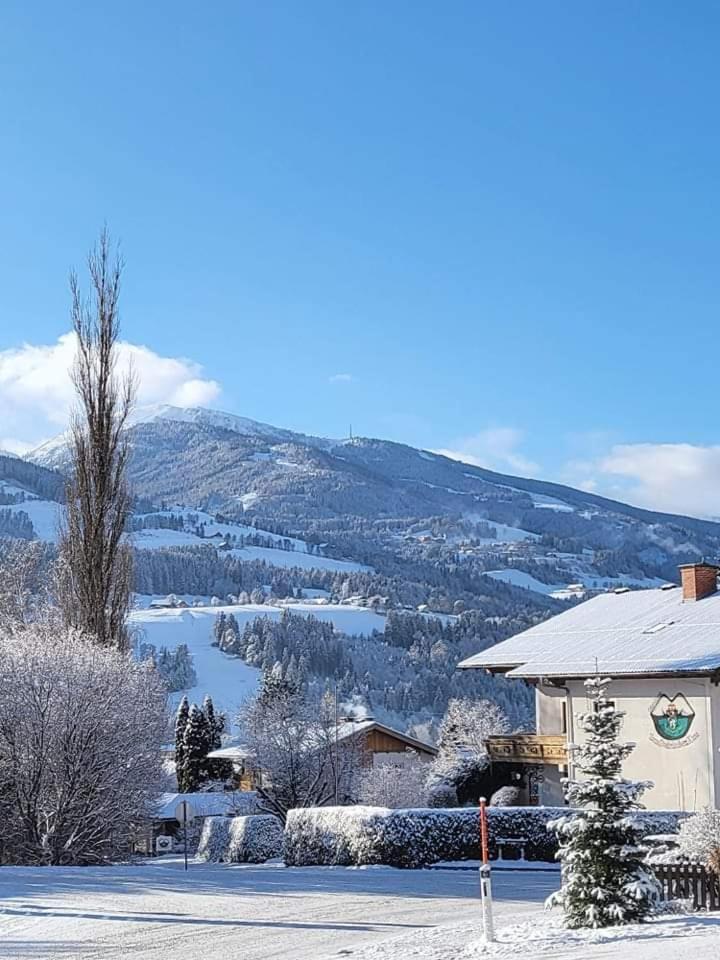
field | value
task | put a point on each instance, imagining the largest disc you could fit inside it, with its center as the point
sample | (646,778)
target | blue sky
(491,229)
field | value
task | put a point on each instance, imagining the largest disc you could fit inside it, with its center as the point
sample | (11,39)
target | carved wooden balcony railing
(529,748)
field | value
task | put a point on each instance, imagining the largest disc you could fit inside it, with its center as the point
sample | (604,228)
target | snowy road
(218,912)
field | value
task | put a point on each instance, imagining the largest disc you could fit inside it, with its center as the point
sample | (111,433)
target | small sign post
(485,885)
(184,813)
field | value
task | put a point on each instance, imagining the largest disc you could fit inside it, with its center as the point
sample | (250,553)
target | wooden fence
(689,881)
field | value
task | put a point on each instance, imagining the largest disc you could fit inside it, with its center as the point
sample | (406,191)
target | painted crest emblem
(672,716)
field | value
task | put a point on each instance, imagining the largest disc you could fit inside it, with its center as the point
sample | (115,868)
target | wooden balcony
(529,748)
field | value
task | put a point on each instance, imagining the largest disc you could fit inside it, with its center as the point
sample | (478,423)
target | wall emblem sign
(672,717)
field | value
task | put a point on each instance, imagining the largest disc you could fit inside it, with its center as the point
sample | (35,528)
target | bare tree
(300,760)
(96,562)
(24,575)
(396,780)
(80,733)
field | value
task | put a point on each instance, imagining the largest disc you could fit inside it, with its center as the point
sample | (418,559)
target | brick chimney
(698,580)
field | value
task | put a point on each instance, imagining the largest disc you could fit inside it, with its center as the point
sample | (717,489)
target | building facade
(661,650)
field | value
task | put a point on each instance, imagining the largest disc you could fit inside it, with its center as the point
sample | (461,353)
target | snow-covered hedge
(241,839)
(413,838)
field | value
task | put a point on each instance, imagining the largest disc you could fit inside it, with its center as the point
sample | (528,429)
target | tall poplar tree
(95,581)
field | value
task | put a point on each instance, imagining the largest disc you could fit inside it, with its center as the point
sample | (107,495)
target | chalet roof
(354,728)
(640,632)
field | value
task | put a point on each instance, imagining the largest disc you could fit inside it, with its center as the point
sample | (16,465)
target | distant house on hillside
(661,648)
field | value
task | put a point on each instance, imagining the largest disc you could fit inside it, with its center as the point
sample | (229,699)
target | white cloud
(341,378)
(495,448)
(36,393)
(673,477)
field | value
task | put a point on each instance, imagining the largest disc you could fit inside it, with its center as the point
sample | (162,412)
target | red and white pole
(485,884)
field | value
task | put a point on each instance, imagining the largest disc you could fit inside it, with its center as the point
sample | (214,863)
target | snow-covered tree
(604,880)
(395,781)
(699,838)
(81,728)
(294,742)
(196,743)
(462,751)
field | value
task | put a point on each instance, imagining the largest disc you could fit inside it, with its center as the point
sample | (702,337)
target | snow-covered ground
(295,558)
(529,936)
(44,514)
(298,556)
(519,578)
(228,679)
(154,911)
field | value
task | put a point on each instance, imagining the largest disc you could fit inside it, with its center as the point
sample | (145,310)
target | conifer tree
(604,880)
(195,748)
(181,720)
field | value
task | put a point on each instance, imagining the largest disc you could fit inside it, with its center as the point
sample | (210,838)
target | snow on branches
(604,880)
(80,733)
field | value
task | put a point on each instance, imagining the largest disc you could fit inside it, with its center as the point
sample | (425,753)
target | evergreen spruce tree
(604,880)
(219,627)
(181,720)
(215,723)
(195,748)
(215,727)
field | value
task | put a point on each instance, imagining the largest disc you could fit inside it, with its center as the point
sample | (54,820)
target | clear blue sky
(489,215)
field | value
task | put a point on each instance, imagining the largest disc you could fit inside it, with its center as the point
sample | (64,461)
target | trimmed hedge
(252,839)
(351,836)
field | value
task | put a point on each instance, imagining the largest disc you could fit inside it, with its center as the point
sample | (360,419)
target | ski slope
(226,678)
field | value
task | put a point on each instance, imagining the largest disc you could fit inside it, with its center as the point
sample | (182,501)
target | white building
(662,650)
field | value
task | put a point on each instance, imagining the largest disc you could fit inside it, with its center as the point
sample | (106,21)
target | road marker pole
(485,884)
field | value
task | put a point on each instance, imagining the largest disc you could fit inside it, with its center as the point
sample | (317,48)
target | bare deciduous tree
(396,781)
(80,734)
(299,758)
(96,563)
(23,592)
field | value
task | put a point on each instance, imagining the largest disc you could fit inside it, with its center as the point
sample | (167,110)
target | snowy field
(154,911)
(44,515)
(299,556)
(228,679)
(519,578)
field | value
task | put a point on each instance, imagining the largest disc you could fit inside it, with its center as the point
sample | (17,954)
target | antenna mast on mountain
(351,436)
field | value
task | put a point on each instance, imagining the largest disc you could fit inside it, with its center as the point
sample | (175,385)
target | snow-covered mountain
(368,496)
(442,557)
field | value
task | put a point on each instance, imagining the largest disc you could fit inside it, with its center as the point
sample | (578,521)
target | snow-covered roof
(234,752)
(206,804)
(354,728)
(625,633)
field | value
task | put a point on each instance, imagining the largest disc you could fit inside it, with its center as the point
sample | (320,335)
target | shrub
(505,797)
(413,838)
(253,839)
